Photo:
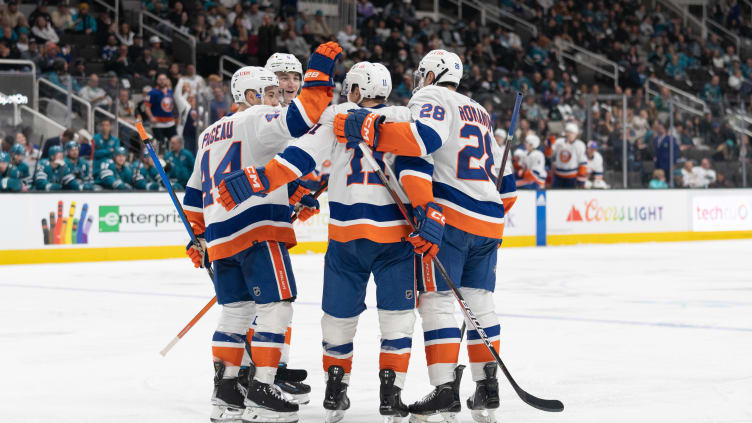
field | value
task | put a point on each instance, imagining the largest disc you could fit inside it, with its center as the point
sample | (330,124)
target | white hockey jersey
(359,206)
(533,168)
(248,138)
(454,152)
(595,166)
(569,159)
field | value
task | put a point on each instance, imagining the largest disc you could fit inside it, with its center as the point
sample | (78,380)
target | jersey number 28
(481,152)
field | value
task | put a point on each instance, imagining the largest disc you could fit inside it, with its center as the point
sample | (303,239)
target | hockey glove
(199,254)
(320,70)
(296,191)
(242,184)
(430,229)
(309,207)
(359,126)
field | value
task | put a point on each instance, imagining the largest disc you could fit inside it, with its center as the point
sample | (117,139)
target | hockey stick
(539,403)
(508,141)
(184,219)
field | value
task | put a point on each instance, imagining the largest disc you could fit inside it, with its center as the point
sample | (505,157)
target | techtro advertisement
(722,212)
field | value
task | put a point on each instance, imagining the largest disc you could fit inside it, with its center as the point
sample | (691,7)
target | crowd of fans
(138,77)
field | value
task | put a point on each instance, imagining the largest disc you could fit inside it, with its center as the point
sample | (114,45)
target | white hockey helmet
(445,65)
(533,140)
(251,78)
(373,80)
(572,127)
(284,62)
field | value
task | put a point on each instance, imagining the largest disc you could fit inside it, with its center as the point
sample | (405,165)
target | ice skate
(485,400)
(290,381)
(335,397)
(228,397)
(391,405)
(265,403)
(441,405)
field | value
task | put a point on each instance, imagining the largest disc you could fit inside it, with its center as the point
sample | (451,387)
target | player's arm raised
(426,133)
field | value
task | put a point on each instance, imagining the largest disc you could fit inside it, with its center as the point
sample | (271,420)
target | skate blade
(333,416)
(483,416)
(392,419)
(225,414)
(263,415)
(300,399)
(444,417)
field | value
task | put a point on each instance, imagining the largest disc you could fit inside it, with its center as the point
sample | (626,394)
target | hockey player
(533,165)
(568,158)
(150,174)
(248,244)
(116,174)
(457,208)
(594,172)
(9,181)
(17,160)
(53,174)
(80,168)
(366,236)
(289,72)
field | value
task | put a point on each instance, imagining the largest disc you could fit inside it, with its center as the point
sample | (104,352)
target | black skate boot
(335,397)
(290,381)
(265,403)
(486,397)
(228,397)
(391,406)
(444,400)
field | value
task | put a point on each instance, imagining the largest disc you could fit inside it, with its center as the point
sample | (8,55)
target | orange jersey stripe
(472,225)
(196,219)
(508,203)
(314,100)
(398,138)
(419,190)
(229,355)
(345,363)
(582,170)
(278,174)
(442,353)
(396,362)
(266,356)
(163,119)
(288,335)
(279,271)
(263,233)
(479,353)
(374,233)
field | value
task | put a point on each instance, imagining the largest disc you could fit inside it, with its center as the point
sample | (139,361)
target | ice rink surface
(619,333)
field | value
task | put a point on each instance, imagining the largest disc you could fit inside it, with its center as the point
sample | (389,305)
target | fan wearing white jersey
(366,236)
(568,156)
(460,218)
(248,243)
(533,165)
(594,172)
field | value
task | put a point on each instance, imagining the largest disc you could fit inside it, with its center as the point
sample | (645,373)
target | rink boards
(54,227)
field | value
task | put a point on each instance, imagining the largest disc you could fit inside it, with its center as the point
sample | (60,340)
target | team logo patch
(409,294)
(166,104)
(256,291)
(565,156)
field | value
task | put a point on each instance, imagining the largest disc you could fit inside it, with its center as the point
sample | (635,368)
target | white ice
(620,333)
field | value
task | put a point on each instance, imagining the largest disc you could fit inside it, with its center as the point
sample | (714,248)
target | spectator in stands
(220,35)
(659,180)
(180,160)
(365,10)
(219,106)
(688,177)
(62,18)
(126,109)
(59,76)
(121,65)
(721,182)
(663,143)
(319,28)
(104,143)
(11,16)
(192,79)
(125,35)
(238,32)
(297,46)
(173,73)
(95,94)
(188,115)
(176,12)
(43,30)
(712,91)
(59,141)
(157,52)
(146,66)
(267,38)
(7,53)
(111,50)
(703,175)
(346,38)
(136,50)
(83,21)
(160,109)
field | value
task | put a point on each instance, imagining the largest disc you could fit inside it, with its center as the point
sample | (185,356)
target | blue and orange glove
(199,254)
(320,72)
(296,191)
(309,207)
(242,184)
(430,229)
(358,126)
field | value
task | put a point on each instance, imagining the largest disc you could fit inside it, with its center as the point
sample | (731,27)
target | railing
(114,9)
(51,129)
(688,20)
(505,14)
(725,33)
(89,119)
(154,25)
(223,71)
(35,92)
(337,13)
(683,100)
(588,59)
